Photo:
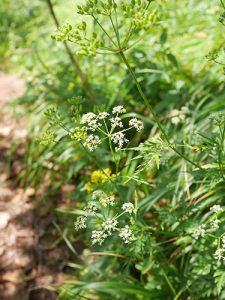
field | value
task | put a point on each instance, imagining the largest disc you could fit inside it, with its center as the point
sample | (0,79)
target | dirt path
(29,264)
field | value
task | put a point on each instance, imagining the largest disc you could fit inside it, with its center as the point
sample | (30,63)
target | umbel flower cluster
(107,214)
(211,228)
(95,128)
(137,16)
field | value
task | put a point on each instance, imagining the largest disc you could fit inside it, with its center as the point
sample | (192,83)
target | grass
(173,197)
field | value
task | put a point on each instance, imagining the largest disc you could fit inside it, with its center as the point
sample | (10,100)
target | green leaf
(115,287)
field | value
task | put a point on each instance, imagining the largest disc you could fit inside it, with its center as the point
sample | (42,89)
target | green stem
(169,283)
(117,25)
(153,113)
(103,29)
(115,30)
(79,72)
(221,1)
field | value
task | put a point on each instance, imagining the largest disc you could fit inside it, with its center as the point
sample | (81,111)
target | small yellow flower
(100,177)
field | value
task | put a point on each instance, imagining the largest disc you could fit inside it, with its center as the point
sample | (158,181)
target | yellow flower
(100,176)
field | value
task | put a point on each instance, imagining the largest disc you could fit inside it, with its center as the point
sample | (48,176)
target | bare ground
(31,265)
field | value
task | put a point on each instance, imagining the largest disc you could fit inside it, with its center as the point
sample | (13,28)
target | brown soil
(31,263)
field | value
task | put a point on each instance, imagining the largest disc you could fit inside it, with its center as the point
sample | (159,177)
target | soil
(31,263)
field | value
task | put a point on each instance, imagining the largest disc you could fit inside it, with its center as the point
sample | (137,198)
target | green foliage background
(173,71)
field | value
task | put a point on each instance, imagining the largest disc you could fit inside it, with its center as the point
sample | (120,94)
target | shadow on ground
(31,262)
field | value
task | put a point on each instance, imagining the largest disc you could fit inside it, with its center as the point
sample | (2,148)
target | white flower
(215,224)
(219,254)
(116,122)
(104,199)
(98,237)
(119,139)
(91,207)
(92,142)
(80,223)
(127,234)
(200,231)
(110,225)
(178,116)
(128,207)
(137,124)
(103,115)
(91,120)
(216,208)
(118,109)
(86,118)
(97,194)
(93,125)
(175,120)
(109,200)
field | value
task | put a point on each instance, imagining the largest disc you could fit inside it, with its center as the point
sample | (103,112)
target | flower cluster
(212,225)
(178,116)
(98,177)
(94,128)
(127,234)
(200,231)
(80,223)
(128,207)
(220,252)
(216,208)
(92,142)
(140,17)
(107,217)
(88,44)
(98,237)
(104,199)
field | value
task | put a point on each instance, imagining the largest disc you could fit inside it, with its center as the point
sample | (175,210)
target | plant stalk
(74,62)
(153,113)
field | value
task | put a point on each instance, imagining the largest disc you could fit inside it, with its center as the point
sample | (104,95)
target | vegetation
(126,102)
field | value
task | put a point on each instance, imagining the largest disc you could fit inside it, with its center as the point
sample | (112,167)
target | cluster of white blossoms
(177,116)
(128,207)
(220,252)
(81,220)
(98,237)
(127,235)
(107,218)
(110,225)
(80,223)
(137,124)
(96,125)
(213,225)
(92,142)
(119,139)
(118,110)
(216,208)
(104,199)
(116,122)
(202,230)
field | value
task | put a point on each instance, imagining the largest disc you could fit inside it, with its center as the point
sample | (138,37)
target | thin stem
(137,41)
(221,1)
(129,34)
(169,283)
(131,30)
(74,62)
(153,113)
(117,26)
(100,25)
